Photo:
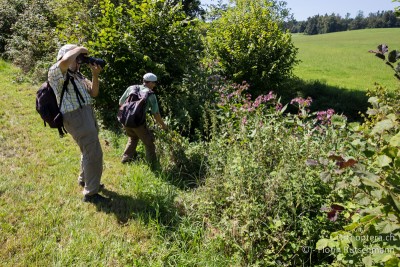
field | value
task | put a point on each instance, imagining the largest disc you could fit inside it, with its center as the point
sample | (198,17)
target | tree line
(320,24)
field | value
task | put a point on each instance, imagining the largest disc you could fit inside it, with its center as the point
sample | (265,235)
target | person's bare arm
(96,69)
(160,121)
(70,57)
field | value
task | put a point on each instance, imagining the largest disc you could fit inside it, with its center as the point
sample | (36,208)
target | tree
(397,9)
(358,22)
(215,11)
(249,44)
(192,8)
(312,25)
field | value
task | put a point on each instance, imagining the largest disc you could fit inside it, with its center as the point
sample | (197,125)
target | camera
(84,58)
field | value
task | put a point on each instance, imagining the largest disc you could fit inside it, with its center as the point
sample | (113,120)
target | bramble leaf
(368,182)
(382,126)
(395,200)
(322,243)
(386,227)
(395,140)
(393,56)
(383,161)
(383,48)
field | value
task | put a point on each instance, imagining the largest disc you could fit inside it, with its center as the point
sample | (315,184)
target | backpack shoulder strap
(133,94)
(65,88)
(79,96)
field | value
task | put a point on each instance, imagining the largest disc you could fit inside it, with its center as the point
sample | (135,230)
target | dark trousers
(146,136)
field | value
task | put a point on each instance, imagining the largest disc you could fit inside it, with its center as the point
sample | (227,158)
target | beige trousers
(81,124)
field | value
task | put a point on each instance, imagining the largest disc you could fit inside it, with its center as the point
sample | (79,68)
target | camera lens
(83,58)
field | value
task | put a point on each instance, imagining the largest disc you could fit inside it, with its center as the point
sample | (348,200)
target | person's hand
(96,69)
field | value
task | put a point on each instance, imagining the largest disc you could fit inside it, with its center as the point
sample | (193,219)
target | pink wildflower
(325,116)
(302,102)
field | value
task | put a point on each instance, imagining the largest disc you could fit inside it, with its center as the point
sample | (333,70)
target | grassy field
(342,59)
(336,70)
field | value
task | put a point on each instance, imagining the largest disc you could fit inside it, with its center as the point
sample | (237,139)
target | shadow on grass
(126,207)
(344,101)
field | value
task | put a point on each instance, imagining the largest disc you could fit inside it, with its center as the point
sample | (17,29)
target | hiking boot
(95,199)
(126,159)
(101,187)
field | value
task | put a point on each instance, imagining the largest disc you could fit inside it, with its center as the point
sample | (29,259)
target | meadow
(342,59)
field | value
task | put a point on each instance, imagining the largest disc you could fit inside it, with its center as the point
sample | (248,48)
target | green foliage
(32,39)
(248,44)
(135,38)
(262,196)
(372,235)
(9,11)
(70,16)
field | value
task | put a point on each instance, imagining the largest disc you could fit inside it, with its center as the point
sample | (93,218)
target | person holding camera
(142,132)
(78,114)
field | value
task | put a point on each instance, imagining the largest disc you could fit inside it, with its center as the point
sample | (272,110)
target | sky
(302,9)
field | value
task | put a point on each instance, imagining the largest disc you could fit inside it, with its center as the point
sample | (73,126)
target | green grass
(336,70)
(43,221)
(342,59)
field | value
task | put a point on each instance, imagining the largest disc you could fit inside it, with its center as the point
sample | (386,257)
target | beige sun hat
(64,49)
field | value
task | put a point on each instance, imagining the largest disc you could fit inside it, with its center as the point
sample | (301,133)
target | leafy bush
(9,11)
(248,44)
(133,38)
(32,42)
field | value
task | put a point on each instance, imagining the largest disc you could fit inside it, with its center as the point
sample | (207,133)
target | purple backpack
(133,112)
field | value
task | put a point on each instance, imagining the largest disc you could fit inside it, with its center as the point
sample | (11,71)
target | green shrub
(248,44)
(135,38)
(9,12)
(371,235)
(32,42)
